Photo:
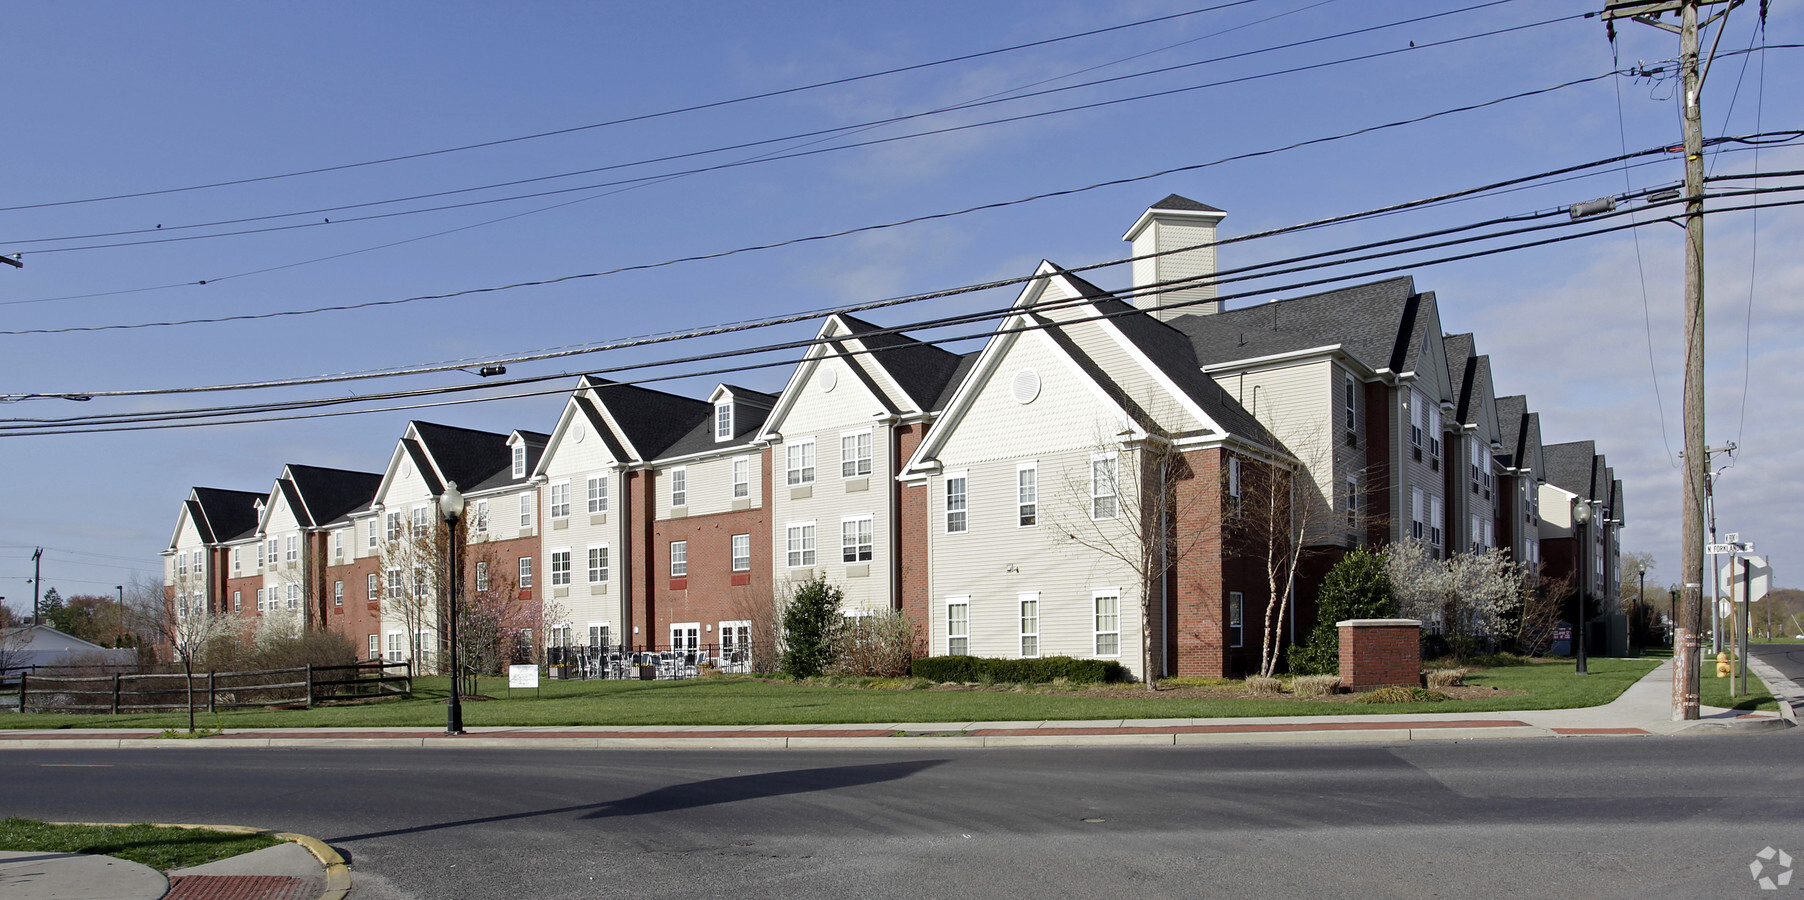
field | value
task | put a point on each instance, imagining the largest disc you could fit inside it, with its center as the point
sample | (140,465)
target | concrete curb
(1783,689)
(338,873)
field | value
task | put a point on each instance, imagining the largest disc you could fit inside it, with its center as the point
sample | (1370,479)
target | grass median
(731,700)
(160,847)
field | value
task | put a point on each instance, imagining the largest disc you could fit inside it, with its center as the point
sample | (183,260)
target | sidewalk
(1644,709)
(304,868)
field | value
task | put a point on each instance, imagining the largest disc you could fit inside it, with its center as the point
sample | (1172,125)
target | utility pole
(1691,535)
(37,579)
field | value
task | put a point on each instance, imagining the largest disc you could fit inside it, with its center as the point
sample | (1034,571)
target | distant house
(37,646)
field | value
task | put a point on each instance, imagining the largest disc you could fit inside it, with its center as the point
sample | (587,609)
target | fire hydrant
(1722,665)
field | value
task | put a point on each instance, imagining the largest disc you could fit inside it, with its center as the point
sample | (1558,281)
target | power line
(714,104)
(110,423)
(825,236)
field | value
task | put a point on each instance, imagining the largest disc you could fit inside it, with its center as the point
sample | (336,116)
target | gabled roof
(469,457)
(1379,324)
(1570,466)
(322,496)
(649,421)
(1518,428)
(1616,508)
(1175,201)
(747,423)
(922,370)
(221,515)
(1461,365)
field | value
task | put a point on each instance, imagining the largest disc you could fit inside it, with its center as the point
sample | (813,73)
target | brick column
(1379,652)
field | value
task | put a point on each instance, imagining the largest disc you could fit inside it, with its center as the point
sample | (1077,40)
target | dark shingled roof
(958,377)
(1378,324)
(1569,465)
(1512,427)
(923,370)
(1171,351)
(653,420)
(331,494)
(222,515)
(1616,501)
(746,394)
(1174,201)
(465,455)
(700,437)
(1462,364)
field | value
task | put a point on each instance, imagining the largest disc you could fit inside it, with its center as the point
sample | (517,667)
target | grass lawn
(726,700)
(1714,691)
(159,848)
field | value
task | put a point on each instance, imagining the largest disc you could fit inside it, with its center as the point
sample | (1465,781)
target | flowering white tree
(1469,597)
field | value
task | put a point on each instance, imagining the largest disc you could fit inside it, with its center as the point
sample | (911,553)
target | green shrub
(1356,588)
(811,624)
(983,670)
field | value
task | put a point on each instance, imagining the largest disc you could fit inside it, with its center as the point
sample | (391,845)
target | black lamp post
(1581,516)
(1641,595)
(451,508)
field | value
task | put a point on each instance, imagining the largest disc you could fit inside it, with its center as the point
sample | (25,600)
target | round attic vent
(827,379)
(579,432)
(1026,386)
(406,469)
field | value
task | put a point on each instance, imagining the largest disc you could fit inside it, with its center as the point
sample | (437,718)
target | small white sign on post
(524,677)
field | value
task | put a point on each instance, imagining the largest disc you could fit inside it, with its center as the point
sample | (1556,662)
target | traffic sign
(1719,549)
(1759,577)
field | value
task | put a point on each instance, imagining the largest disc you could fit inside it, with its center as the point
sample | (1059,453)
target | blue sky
(113,99)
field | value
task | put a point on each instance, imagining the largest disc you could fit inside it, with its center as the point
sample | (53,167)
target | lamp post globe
(451,508)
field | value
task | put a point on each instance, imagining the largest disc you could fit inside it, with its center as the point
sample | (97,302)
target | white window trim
(557,488)
(800,550)
(856,460)
(1027,508)
(679,486)
(800,460)
(1096,597)
(524,567)
(742,477)
(560,578)
(606,567)
(858,546)
(723,415)
(964,499)
(679,559)
(1113,486)
(1021,617)
(963,602)
(527,502)
(740,563)
(596,488)
(519,460)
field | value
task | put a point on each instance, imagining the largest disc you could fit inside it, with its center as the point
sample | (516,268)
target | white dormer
(520,460)
(723,419)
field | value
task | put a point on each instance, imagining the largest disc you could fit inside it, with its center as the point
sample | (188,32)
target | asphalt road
(1583,817)
(1787,658)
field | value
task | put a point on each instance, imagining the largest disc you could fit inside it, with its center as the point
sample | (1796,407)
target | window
(800,540)
(598,565)
(1351,403)
(237,559)
(1417,404)
(560,500)
(374,524)
(855,454)
(422,520)
(742,553)
(679,487)
(259,554)
(1418,525)
(1433,415)
(370,589)
(338,545)
(679,559)
(1030,625)
(422,647)
(482,516)
(1105,497)
(800,457)
(1352,503)
(338,593)
(1027,494)
(291,549)
(855,539)
(526,510)
(181,564)
(598,493)
(598,636)
(422,581)
(395,645)
(1236,619)
(237,601)
(274,548)
(958,626)
(957,504)
(1436,520)
(394,583)
(1490,534)
(742,478)
(1233,485)
(519,460)
(723,420)
(394,527)
(375,646)
(1477,450)
(260,600)
(1108,623)
(482,575)
(525,572)
(294,596)
(1476,533)
(560,568)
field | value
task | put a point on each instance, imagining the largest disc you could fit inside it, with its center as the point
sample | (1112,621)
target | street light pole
(451,508)
(1581,516)
(1641,593)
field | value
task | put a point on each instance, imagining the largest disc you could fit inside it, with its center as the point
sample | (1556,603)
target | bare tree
(761,612)
(195,631)
(1126,505)
(411,558)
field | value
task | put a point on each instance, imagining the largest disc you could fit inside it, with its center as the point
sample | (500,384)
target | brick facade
(1379,652)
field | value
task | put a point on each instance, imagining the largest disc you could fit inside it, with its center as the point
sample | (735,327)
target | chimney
(1173,223)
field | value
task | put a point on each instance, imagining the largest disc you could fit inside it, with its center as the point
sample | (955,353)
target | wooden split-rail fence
(43,690)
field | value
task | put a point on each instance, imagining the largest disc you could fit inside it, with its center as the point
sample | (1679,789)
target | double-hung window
(1433,415)
(1030,624)
(291,549)
(958,513)
(394,583)
(1234,486)
(338,545)
(1108,622)
(422,520)
(1418,515)
(1476,534)
(394,527)
(371,541)
(855,539)
(742,478)
(1477,449)
(259,554)
(338,593)
(371,590)
(1236,619)
(1027,494)
(560,568)
(855,454)
(799,541)
(294,596)
(1350,403)
(560,500)
(598,494)
(1436,520)
(525,572)
(679,487)
(237,601)
(679,559)
(482,575)
(526,503)
(1352,503)
(1105,486)
(742,553)
(723,421)
(519,460)
(799,457)
(1418,405)
(598,565)
(260,600)
(958,626)
(482,516)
